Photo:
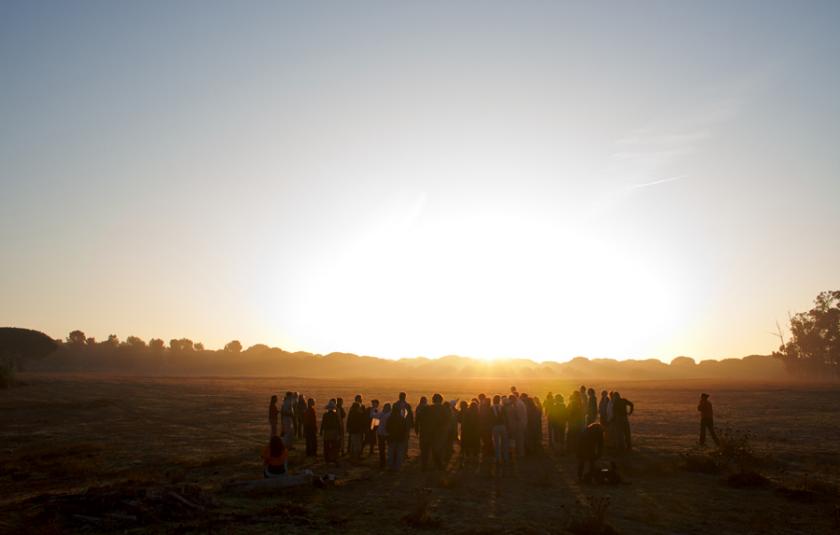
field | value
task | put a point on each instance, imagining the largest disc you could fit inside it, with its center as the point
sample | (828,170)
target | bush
(736,449)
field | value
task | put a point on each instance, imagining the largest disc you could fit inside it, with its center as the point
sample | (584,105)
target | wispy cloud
(657,182)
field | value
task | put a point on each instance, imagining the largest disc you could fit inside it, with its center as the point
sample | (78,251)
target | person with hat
(706,419)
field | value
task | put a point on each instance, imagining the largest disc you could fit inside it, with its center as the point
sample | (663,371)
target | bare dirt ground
(102,454)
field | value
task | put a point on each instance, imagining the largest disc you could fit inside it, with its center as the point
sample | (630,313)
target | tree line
(77,340)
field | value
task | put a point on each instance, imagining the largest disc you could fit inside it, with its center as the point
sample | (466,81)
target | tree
(156,345)
(112,341)
(233,346)
(181,344)
(199,346)
(814,346)
(135,342)
(76,338)
(91,341)
(19,345)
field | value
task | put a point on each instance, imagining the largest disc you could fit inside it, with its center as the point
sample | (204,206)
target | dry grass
(73,447)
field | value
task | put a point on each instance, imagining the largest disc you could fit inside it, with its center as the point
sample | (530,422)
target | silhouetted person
(398,431)
(372,425)
(287,412)
(591,407)
(603,408)
(518,423)
(342,414)
(357,424)
(331,432)
(589,448)
(300,412)
(310,429)
(423,404)
(499,430)
(707,419)
(450,432)
(275,456)
(405,411)
(273,415)
(485,424)
(557,422)
(622,408)
(382,434)
(548,407)
(533,423)
(433,425)
(575,421)
(470,431)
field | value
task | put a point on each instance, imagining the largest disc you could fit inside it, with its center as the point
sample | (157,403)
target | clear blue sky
(537,179)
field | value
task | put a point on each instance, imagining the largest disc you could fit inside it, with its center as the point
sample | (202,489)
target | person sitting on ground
(707,419)
(590,446)
(275,456)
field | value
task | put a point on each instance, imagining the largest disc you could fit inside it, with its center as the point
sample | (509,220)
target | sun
(485,286)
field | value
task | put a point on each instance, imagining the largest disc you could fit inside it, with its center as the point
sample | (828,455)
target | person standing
(591,407)
(331,432)
(405,411)
(300,414)
(622,409)
(310,429)
(342,414)
(287,412)
(548,407)
(470,432)
(499,430)
(485,424)
(521,424)
(398,430)
(431,423)
(273,414)
(557,422)
(603,407)
(707,419)
(356,427)
(382,435)
(575,421)
(372,425)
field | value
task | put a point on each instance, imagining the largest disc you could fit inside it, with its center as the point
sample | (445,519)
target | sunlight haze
(539,180)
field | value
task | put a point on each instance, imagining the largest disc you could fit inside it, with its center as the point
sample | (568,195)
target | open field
(94,454)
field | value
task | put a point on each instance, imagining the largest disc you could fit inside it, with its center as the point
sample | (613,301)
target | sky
(489,179)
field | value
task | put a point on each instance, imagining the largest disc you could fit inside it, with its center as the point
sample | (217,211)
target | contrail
(656,182)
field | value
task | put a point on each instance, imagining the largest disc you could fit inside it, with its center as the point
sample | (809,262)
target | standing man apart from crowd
(707,419)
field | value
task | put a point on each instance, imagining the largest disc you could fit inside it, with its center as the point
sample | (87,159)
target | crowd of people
(498,429)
